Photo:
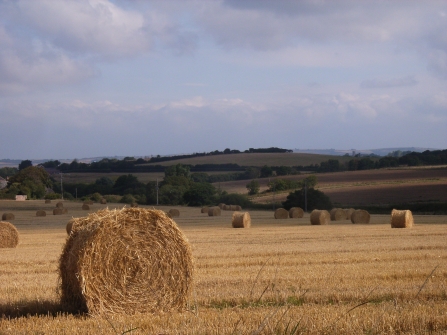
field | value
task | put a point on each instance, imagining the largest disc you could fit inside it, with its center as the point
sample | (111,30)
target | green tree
(315,200)
(200,194)
(253,187)
(178,170)
(128,184)
(31,181)
(24,164)
(266,171)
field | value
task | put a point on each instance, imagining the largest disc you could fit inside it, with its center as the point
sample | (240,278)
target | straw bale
(173,213)
(57,211)
(221,205)
(296,212)
(204,209)
(9,236)
(337,214)
(214,211)
(47,201)
(320,217)
(227,207)
(281,213)
(85,207)
(41,213)
(103,201)
(241,220)
(125,261)
(401,219)
(60,204)
(8,216)
(349,212)
(360,216)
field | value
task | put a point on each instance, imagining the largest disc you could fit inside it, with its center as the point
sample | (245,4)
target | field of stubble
(279,277)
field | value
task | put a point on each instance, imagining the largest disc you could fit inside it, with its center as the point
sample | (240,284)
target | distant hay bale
(337,214)
(241,220)
(296,212)
(47,201)
(349,212)
(281,213)
(226,207)
(133,205)
(57,211)
(41,213)
(85,207)
(235,208)
(8,216)
(204,210)
(64,210)
(127,261)
(174,213)
(9,236)
(360,216)
(401,219)
(214,211)
(60,204)
(320,217)
(103,201)
(221,205)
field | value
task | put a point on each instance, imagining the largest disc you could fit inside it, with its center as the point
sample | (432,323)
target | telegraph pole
(157,191)
(305,195)
(62,189)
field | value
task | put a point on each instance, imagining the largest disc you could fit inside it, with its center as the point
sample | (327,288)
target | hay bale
(320,217)
(127,261)
(337,214)
(214,211)
(227,207)
(174,212)
(281,213)
(221,205)
(47,201)
(60,204)
(204,210)
(41,213)
(348,212)
(9,236)
(69,226)
(8,216)
(103,201)
(57,211)
(401,219)
(360,216)
(85,207)
(241,220)
(296,212)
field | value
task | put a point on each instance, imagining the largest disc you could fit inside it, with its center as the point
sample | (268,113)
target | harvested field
(331,279)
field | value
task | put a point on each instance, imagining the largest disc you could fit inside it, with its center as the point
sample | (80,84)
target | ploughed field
(278,277)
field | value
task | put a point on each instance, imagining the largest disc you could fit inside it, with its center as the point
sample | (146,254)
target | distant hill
(352,152)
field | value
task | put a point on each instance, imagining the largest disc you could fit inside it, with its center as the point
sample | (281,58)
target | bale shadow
(18,309)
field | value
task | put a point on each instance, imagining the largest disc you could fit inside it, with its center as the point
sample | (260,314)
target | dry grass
(338,278)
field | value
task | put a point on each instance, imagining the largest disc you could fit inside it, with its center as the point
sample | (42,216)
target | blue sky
(87,78)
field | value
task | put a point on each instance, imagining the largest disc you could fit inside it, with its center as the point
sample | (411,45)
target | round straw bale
(360,216)
(126,261)
(85,207)
(204,210)
(281,213)
(41,213)
(214,211)
(227,207)
(401,219)
(221,205)
(296,212)
(103,201)
(320,217)
(8,216)
(174,212)
(337,214)
(241,220)
(9,236)
(60,204)
(57,211)
(349,212)
(47,201)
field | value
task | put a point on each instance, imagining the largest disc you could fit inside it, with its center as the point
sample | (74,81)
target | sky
(92,78)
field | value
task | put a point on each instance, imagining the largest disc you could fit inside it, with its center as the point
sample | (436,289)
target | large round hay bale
(320,217)
(57,211)
(9,236)
(348,212)
(221,205)
(204,210)
(214,211)
(60,204)
(360,216)
(8,216)
(241,220)
(85,207)
(174,212)
(281,213)
(337,214)
(103,201)
(126,261)
(47,201)
(41,213)
(227,207)
(296,212)
(401,219)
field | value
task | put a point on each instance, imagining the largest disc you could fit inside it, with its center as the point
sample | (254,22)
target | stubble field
(278,277)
